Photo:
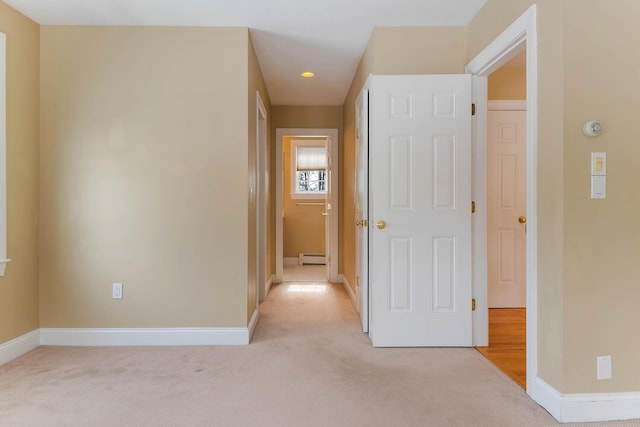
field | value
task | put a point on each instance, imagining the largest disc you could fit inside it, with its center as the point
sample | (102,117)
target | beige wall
(144,178)
(419,50)
(19,286)
(602,237)
(311,117)
(393,50)
(587,249)
(255,84)
(508,83)
(303,225)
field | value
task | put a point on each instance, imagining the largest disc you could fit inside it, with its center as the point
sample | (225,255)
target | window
(308,169)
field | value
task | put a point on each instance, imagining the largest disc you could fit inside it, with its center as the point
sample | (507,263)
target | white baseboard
(290,261)
(352,295)
(19,346)
(144,336)
(252,323)
(269,284)
(586,407)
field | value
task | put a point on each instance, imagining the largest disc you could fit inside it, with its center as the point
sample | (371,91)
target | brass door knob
(381,224)
(522,220)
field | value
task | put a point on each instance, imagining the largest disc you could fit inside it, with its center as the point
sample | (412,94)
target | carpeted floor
(308,365)
(304,273)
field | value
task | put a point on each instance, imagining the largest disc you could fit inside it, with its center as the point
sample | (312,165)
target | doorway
(506,219)
(520,35)
(306,205)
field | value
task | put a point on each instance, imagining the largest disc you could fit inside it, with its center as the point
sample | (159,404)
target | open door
(362,208)
(420,152)
(328,212)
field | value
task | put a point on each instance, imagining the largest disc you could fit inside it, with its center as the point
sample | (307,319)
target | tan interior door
(506,208)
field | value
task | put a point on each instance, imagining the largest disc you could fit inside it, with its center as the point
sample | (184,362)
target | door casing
(520,35)
(333,250)
(262,196)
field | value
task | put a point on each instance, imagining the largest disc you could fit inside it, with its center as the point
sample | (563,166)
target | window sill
(309,196)
(3,265)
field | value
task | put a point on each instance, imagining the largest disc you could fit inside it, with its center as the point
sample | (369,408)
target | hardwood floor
(508,342)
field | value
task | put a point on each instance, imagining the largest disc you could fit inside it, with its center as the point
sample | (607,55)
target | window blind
(311,158)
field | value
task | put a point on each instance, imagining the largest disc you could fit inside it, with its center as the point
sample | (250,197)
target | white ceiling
(327,37)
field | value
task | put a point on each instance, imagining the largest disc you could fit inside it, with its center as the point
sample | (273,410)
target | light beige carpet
(308,365)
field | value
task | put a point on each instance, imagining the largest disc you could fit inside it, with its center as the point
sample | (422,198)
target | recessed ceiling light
(307,74)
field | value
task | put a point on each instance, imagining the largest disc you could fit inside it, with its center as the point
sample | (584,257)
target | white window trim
(3,153)
(294,189)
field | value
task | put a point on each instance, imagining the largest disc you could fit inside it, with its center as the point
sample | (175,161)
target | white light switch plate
(598,187)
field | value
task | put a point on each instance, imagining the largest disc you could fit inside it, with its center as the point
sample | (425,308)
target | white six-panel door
(506,203)
(420,178)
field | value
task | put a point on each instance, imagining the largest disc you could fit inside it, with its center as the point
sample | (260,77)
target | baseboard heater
(311,259)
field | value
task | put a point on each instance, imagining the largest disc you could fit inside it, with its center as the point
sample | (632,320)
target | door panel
(420,177)
(400,283)
(506,202)
(444,289)
(400,172)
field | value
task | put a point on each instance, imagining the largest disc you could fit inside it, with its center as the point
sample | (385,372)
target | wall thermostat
(592,128)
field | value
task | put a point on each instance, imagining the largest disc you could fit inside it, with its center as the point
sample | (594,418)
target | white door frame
(262,195)
(292,132)
(519,35)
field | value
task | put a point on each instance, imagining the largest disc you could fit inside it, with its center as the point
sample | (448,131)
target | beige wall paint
(419,50)
(144,178)
(508,83)
(303,225)
(393,50)
(19,286)
(255,84)
(601,237)
(311,117)
(587,249)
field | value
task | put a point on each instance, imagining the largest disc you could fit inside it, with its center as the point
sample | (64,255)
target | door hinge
(473,109)
(357,281)
(357,133)
(473,304)
(473,207)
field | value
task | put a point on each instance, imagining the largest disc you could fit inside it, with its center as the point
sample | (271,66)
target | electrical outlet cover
(604,367)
